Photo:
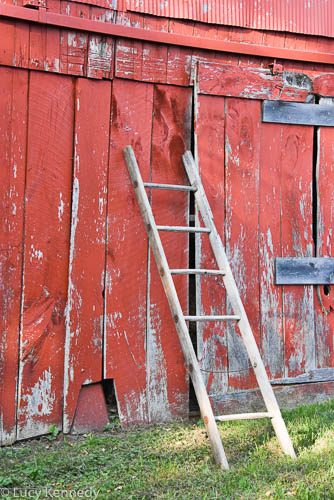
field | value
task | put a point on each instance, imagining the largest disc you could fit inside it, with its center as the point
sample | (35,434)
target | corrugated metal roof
(311,17)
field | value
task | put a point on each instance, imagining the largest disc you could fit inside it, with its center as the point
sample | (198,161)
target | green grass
(175,461)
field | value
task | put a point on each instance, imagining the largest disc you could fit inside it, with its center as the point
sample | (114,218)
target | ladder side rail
(238,307)
(180,324)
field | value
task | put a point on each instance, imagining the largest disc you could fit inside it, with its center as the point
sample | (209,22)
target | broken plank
(294,113)
(126,267)
(85,307)
(304,271)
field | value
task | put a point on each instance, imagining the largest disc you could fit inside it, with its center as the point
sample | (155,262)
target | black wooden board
(298,113)
(305,271)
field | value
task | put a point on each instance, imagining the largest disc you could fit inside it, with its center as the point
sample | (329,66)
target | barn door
(259,178)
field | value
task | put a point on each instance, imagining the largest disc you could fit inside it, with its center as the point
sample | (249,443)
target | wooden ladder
(239,316)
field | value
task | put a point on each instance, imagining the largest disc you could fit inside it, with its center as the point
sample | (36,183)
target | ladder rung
(242,416)
(174,187)
(212,318)
(198,271)
(184,229)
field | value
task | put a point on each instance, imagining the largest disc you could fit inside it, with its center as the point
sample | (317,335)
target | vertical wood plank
(46,243)
(85,307)
(270,247)
(242,226)
(323,296)
(13,123)
(7,49)
(210,291)
(167,378)
(126,267)
(296,222)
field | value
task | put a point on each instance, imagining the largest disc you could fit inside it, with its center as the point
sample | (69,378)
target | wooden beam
(298,113)
(305,271)
(317,375)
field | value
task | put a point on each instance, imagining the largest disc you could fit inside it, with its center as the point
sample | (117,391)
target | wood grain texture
(298,113)
(167,378)
(289,397)
(296,158)
(304,271)
(324,85)
(85,306)
(126,267)
(272,334)
(323,297)
(242,226)
(210,292)
(46,243)
(13,124)
(251,83)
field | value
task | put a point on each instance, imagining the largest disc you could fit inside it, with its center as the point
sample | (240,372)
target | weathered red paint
(87,25)
(242,225)
(46,244)
(271,302)
(85,298)
(212,337)
(324,85)
(257,176)
(167,378)
(296,235)
(126,266)
(13,123)
(323,296)
(91,411)
(245,81)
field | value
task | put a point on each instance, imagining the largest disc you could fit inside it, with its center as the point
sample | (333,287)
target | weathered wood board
(85,298)
(251,83)
(242,226)
(270,246)
(296,158)
(126,267)
(304,271)
(298,113)
(324,295)
(210,293)
(46,244)
(166,373)
(13,129)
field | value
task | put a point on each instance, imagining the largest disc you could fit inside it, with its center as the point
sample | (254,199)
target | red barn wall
(80,296)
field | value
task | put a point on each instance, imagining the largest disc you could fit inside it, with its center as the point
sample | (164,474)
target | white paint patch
(35,254)
(158,404)
(40,401)
(101,205)
(60,208)
(68,370)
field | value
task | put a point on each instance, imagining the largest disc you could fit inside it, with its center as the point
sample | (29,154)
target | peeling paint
(41,399)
